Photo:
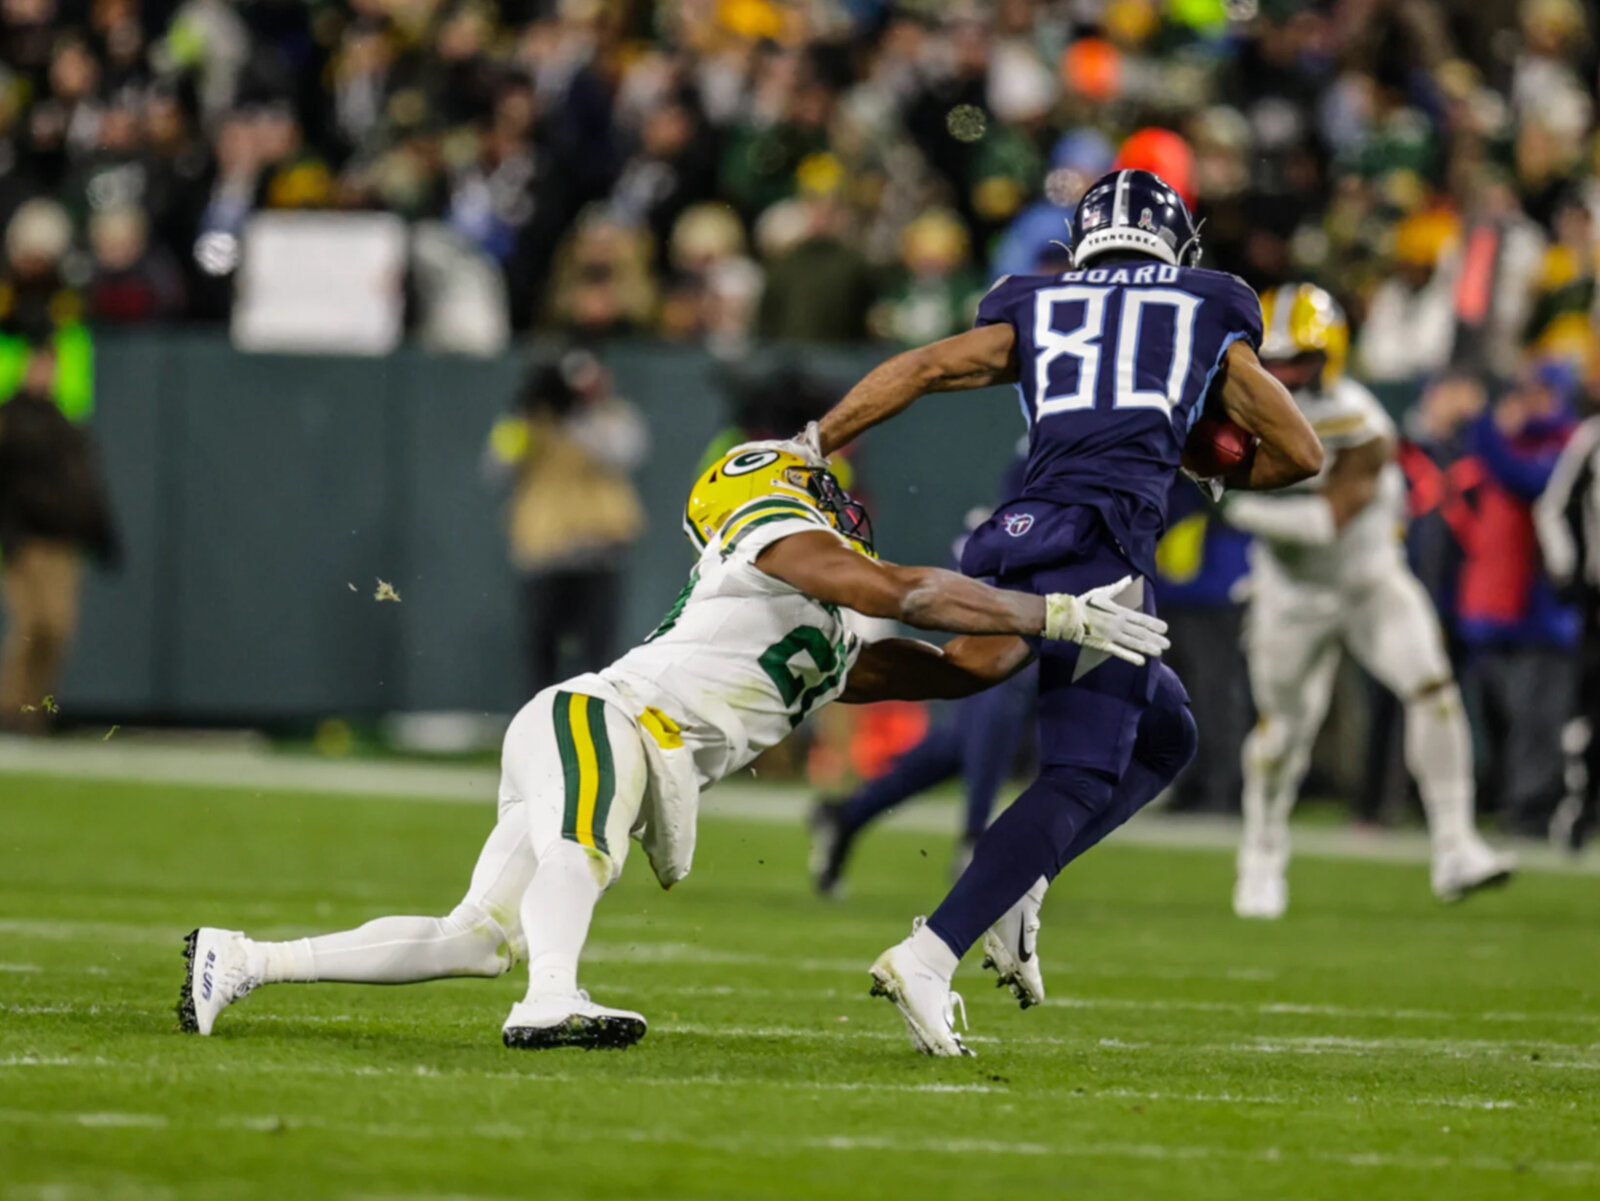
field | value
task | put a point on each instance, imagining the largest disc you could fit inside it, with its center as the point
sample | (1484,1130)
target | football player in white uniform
(766,630)
(1328,570)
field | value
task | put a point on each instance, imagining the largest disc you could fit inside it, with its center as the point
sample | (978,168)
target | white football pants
(572,778)
(1292,641)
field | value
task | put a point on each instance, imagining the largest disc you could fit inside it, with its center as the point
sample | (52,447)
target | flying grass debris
(386,592)
(110,732)
(48,705)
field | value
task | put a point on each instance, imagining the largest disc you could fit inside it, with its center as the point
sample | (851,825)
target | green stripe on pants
(608,772)
(569,764)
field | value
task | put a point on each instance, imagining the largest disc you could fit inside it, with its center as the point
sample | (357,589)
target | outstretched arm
(904,669)
(824,567)
(1316,518)
(1289,450)
(976,359)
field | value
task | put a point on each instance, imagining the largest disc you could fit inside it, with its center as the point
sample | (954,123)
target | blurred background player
(1328,571)
(1115,362)
(977,741)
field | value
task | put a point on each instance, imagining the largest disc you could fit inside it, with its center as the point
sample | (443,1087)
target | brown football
(1217,447)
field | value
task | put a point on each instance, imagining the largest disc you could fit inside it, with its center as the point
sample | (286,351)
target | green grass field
(1371,1045)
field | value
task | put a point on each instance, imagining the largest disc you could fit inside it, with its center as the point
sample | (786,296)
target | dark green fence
(254,491)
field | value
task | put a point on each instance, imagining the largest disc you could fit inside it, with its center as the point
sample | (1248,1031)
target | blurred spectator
(1077,160)
(570,448)
(133,281)
(53,507)
(1410,328)
(603,284)
(935,292)
(714,287)
(1520,637)
(39,310)
(821,289)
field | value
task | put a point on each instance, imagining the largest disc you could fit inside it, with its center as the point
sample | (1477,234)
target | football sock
(1272,771)
(1439,754)
(932,761)
(1029,840)
(556,911)
(390,950)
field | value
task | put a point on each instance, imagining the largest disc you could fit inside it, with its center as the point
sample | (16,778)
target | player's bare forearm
(929,598)
(904,669)
(975,359)
(1288,450)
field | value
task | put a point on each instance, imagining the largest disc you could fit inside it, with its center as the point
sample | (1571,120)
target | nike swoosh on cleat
(1023,952)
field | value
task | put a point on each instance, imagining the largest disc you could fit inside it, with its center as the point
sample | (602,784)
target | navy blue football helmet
(1135,211)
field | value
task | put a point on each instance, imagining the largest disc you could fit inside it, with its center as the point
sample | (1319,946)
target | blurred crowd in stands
(715,170)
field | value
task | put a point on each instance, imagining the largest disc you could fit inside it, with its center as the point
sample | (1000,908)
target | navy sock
(932,761)
(1028,840)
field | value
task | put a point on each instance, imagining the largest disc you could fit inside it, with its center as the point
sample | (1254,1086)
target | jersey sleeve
(1241,310)
(999,306)
(1351,416)
(757,525)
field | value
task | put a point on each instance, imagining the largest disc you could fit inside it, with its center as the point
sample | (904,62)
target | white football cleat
(556,1020)
(1262,889)
(1011,947)
(1469,867)
(923,998)
(216,974)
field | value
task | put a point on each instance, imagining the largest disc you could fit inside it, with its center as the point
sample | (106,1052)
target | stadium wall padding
(261,498)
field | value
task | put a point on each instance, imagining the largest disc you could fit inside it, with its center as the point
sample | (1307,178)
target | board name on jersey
(1153,274)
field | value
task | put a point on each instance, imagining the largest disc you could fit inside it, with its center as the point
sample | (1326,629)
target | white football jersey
(1368,548)
(742,657)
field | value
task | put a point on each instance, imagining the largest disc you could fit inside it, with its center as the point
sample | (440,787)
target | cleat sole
(1497,879)
(187,1021)
(589,1033)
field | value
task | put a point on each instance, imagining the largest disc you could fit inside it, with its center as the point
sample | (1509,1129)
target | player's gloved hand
(1096,620)
(1212,489)
(807,444)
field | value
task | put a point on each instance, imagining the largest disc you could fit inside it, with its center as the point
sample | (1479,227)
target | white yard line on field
(259,769)
(156,1070)
(764,1145)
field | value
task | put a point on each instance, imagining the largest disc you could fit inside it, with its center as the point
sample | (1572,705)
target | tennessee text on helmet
(1138,212)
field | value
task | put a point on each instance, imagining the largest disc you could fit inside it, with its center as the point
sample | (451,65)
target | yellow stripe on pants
(588,768)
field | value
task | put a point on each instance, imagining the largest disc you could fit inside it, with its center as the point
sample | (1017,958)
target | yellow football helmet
(763,480)
(1299,319)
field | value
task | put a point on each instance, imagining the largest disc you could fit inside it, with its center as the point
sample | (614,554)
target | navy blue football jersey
(1116,363)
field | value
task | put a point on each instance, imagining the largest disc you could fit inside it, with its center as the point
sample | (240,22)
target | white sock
(556,911)
(1439,756)
(391,950)
(934,952)
(1272,769)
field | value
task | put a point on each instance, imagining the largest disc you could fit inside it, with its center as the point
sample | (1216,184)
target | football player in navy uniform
(1114,362)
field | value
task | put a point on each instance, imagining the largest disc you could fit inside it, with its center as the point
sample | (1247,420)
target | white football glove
(1096,620)
(1211,488)
(807,445)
